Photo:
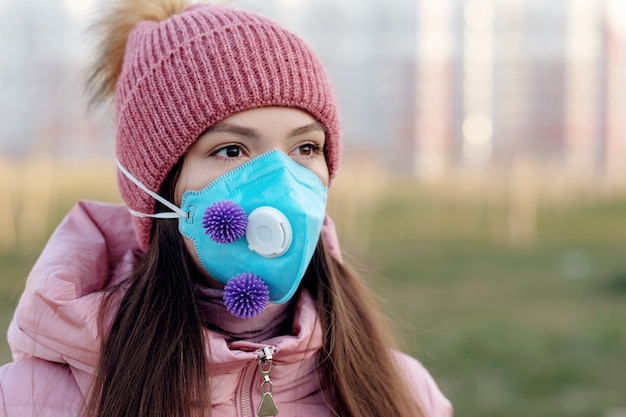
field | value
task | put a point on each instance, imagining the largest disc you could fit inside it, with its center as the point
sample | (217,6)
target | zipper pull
(267,408)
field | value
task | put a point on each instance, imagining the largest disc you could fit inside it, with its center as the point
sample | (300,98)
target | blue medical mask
(254,229)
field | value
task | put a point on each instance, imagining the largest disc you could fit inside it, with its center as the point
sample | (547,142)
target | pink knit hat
(184,74)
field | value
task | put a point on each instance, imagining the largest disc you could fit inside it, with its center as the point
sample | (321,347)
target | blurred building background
(433,87)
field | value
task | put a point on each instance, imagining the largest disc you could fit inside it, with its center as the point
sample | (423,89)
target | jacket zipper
(244,391)
(267,407)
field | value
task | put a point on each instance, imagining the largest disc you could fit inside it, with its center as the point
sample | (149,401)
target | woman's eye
(308,149)
(230,151)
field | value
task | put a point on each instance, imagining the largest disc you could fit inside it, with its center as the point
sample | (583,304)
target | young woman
(219,289)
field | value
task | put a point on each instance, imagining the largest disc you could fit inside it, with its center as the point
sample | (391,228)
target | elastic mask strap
(177,211)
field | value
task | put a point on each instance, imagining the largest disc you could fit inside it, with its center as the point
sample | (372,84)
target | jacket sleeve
(34,387)
(423,387)
(3,409)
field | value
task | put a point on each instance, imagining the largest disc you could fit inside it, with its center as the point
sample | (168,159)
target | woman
(219,290)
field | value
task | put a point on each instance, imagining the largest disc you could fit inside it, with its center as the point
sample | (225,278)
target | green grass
(506,329)
(509,330)
(14,267)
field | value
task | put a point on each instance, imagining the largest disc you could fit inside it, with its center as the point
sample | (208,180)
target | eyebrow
(308,128)
(251,133)
(234,129)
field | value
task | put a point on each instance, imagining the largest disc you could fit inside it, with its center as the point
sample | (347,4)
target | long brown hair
(153,361)
(356,361)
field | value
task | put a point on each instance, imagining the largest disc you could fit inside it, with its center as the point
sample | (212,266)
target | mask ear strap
(177,211)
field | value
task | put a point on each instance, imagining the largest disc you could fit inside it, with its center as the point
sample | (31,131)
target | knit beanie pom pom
(111,29)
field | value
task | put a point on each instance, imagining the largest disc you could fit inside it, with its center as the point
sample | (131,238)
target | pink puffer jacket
(54,339)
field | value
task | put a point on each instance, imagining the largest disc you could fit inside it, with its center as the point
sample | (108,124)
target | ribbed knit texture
(184,74)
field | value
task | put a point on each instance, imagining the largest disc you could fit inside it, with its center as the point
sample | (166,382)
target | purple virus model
(246,295)
(225,222)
